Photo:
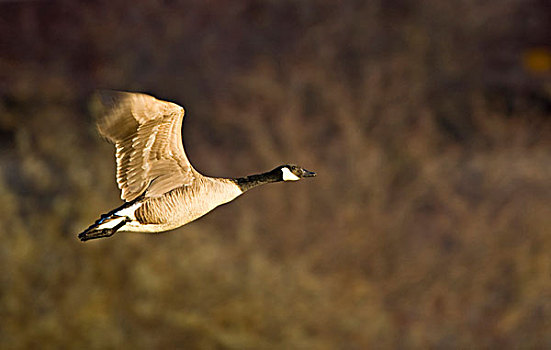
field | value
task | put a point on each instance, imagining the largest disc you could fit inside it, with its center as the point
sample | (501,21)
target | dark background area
(428,226)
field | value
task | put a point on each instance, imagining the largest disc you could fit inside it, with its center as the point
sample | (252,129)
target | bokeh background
(428,226)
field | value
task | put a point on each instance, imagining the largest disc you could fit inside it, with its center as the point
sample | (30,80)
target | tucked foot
(94,232)
(106,232)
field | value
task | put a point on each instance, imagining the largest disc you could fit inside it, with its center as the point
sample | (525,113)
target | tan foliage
(427,226)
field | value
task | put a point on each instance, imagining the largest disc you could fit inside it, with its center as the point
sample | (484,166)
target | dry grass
(427,227)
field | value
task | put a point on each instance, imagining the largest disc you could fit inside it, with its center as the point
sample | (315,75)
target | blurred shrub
(426,227)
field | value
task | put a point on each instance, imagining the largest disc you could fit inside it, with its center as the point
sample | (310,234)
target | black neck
(248,182)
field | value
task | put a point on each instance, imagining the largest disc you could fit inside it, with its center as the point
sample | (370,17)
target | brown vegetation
(428,225)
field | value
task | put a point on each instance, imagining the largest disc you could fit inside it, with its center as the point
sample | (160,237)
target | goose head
(291,172)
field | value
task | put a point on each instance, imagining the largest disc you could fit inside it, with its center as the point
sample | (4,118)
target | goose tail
(106,226)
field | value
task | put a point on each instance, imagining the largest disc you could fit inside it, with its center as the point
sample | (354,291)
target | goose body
(161,190)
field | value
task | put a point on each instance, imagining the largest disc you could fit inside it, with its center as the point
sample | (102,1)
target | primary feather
(148,141)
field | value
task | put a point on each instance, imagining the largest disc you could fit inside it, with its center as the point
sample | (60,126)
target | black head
(290,172)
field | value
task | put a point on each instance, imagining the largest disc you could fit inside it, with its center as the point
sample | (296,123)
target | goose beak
(306,173)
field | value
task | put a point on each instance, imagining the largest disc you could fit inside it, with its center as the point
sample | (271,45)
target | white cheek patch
(288,175)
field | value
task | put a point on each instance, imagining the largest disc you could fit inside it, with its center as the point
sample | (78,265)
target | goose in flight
(160,188)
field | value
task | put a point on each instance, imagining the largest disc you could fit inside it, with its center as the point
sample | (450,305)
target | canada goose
(161,189)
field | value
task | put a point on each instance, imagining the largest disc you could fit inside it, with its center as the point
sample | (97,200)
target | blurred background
(428,226)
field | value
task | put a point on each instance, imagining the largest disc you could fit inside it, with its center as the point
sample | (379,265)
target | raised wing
(147,134)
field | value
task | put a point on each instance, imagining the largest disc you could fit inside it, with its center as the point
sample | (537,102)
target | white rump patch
(122,215)
(288,175)
(129,212)
(110,223)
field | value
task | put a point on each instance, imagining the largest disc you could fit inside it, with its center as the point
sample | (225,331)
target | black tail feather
(93,232)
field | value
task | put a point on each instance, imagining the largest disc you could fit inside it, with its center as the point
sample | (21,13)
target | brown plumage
(148,141)
(161,189)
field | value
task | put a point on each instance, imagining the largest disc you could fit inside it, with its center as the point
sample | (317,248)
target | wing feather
(147,134)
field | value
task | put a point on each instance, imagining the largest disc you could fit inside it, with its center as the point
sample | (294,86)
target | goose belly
(136,226)
(177,208)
